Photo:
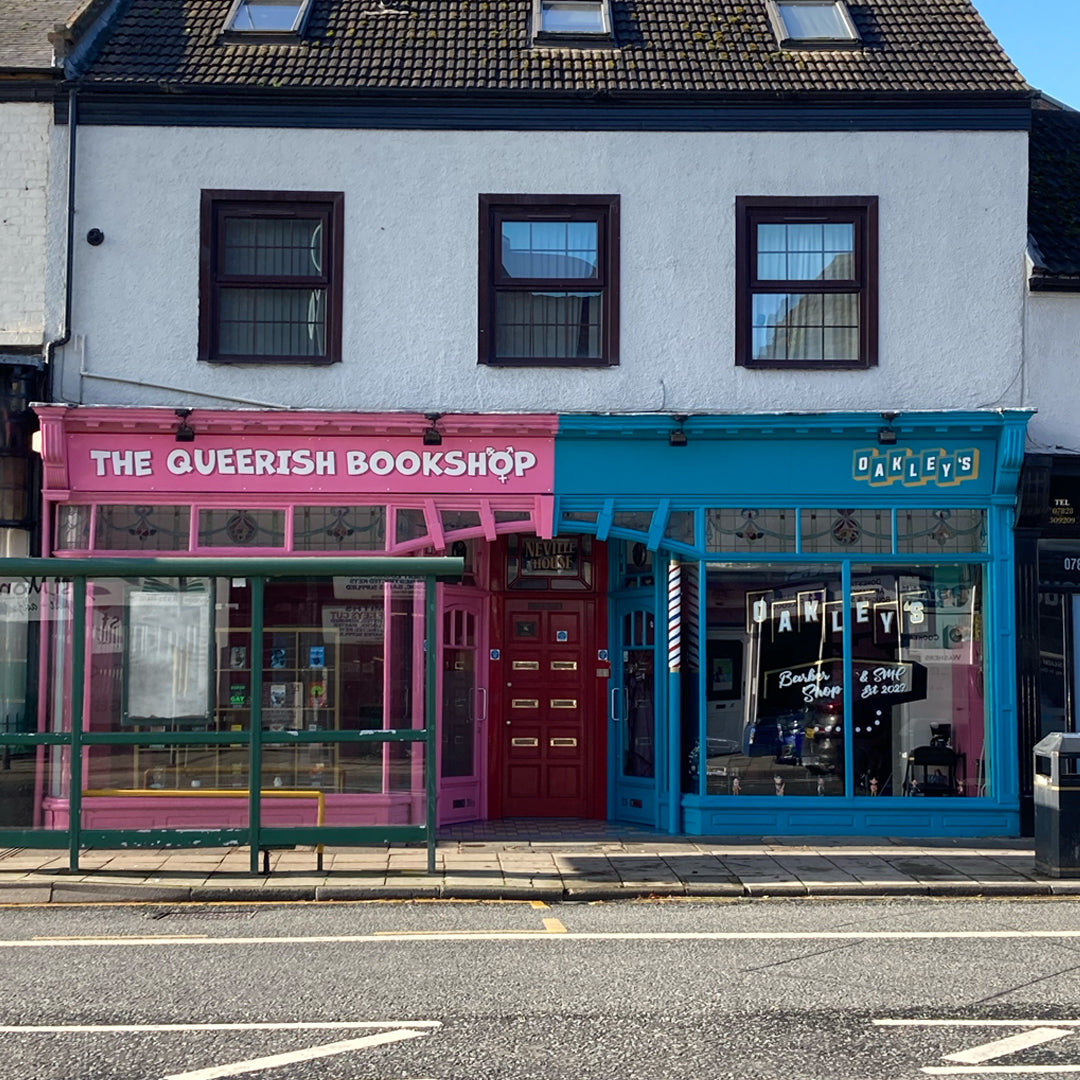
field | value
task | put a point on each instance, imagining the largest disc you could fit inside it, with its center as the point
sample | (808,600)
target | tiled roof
(688,45)
(24,32)
(1054,193)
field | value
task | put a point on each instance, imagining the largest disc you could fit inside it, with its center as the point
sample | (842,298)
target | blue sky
(1042,38)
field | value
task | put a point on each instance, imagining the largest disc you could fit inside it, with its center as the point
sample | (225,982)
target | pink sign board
(291,464)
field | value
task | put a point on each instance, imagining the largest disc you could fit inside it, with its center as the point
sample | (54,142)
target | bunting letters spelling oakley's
(914,468)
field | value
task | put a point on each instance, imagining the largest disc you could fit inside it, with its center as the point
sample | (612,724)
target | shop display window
(919,715)
(786,715)
(177,655)
(774,682)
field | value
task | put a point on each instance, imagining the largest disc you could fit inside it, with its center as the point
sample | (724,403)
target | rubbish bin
(1057,805)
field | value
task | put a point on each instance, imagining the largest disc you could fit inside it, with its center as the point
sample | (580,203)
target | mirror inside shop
(776,688)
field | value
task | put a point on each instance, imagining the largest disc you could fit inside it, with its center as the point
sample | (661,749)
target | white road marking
(1012,1044)
(115,937)
(545,935)
(1040,1032)
(999,1070)
(127,1029)
(294,1057)
(977,1023)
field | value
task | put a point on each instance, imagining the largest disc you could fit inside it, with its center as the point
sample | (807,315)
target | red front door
(547,730)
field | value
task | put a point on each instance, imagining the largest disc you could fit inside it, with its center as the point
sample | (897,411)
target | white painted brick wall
(953,226)
(24,172)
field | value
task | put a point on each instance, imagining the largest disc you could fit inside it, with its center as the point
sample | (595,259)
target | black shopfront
(1047,608)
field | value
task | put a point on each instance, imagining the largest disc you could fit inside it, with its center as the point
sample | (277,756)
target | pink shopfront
(337,652)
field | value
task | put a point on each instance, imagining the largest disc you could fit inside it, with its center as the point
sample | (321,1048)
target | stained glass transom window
(948,531)
(339,528)
(142,528)
(749,530)
(839,531)
(242,528)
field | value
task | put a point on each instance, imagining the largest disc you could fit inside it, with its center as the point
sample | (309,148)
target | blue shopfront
(811,618)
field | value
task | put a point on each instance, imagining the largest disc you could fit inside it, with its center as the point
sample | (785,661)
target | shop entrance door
(633,713)
(464,699)
(547,731)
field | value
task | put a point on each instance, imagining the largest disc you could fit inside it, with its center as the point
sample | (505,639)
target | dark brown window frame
(604,209)
(859,210)
(214,206)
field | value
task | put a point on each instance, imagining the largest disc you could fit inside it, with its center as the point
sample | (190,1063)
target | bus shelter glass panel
(166,659)
(29,775)
(340,674)
(35,700)
(165,786)
(774,680)
(920,714)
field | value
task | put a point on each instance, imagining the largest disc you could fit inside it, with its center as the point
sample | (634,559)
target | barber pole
(674,618)
(693,607)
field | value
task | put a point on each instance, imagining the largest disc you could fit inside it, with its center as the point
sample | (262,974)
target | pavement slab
(523,863)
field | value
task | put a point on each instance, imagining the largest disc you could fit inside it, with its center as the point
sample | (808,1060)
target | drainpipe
(65,336)
(36,535)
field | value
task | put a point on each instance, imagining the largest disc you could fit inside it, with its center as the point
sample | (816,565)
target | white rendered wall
(24,177)
(952,226)
(1051,383)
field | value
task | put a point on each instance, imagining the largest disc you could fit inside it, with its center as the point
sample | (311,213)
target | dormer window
(274,17)
(572,22)
(814,24)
